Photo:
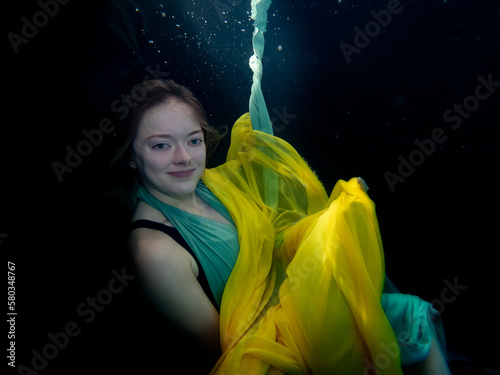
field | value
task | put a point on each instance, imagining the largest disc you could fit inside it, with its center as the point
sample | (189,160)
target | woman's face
(168,150)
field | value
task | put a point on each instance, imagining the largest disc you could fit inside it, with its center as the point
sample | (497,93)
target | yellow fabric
(304,295)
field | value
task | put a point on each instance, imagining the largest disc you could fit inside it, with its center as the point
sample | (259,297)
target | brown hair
(153,93)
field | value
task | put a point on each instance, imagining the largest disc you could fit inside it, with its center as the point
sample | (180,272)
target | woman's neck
(187,202)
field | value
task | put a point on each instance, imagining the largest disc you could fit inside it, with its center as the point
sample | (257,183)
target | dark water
(407,101)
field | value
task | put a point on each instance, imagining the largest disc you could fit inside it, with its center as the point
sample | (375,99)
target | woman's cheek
(158,160)
(200,154)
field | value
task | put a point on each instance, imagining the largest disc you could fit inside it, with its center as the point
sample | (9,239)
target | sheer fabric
(305,292)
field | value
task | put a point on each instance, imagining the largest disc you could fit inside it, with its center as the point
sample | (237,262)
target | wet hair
(153,93)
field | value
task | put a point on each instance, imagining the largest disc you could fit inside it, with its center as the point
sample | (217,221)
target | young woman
(255,260)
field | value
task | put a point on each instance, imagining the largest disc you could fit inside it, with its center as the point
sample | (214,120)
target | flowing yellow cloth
(304,295)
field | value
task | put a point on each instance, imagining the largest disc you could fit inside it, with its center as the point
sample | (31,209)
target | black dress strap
(177,237)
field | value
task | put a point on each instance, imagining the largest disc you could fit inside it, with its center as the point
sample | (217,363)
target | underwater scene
(403,94)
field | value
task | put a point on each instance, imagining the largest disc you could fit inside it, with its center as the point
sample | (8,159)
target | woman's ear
(132,163)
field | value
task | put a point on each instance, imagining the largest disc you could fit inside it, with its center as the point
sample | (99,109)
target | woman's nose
(181,156)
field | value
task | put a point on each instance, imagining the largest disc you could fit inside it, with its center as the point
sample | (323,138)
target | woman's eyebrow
(168,136)
(159,136)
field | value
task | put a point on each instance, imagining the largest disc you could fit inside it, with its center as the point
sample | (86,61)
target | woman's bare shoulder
(150,246)
(145,212)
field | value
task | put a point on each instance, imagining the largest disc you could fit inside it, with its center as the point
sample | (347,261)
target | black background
(346,119)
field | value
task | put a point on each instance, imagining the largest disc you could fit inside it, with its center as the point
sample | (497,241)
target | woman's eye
(160,146)
(196,141)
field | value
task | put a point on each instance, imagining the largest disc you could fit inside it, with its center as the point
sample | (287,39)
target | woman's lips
(182,174)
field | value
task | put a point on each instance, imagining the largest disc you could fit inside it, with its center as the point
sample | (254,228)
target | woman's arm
(166,271)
